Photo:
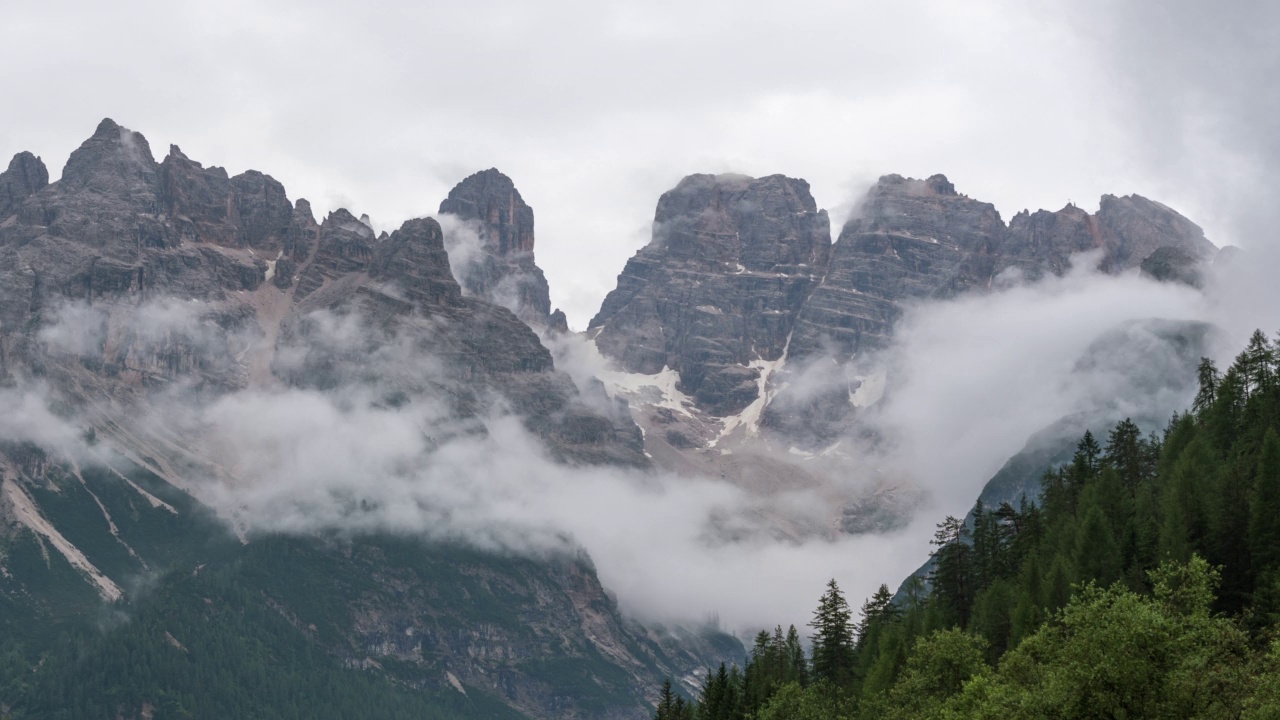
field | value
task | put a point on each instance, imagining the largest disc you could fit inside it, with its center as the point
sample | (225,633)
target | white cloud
(597,108)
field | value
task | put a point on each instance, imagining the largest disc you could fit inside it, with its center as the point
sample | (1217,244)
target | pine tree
(1208,393)
(1057,584)
(1183,517)
(1028,604)
(797,664)
(1264,516)
(1259,364)
(953,572)
(1124,453)
(666,702)
(721,695)
(1228,543)
(833,655)
(1097,556)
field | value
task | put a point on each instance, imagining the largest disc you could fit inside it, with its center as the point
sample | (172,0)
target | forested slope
(1144,582)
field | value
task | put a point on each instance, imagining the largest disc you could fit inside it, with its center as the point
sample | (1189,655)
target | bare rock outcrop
(731,263)
(500,267)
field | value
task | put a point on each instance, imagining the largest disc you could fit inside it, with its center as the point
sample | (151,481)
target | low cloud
(969,381)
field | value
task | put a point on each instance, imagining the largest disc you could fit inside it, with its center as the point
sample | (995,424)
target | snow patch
(749,418)
(869,391)
(658,390)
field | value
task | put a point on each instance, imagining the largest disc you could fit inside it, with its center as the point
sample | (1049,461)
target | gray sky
(595,107)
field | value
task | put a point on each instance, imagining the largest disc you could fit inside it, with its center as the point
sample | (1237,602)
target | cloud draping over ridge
(596,108)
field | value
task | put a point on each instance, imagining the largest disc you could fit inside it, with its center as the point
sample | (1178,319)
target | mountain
(134,296)
(1144,572)
(745,341)
(242,448)
(497,264)
(731,263)
(742,271)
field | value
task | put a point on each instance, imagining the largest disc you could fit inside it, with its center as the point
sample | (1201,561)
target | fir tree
(952,576)
(1264,518)
(1097,556)
(1124,453)
(797,665)
(1208,392)
(833,656)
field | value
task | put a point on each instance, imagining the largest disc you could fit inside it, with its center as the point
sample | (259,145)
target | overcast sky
(596,107)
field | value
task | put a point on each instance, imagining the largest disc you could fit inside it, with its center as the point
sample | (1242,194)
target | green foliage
(1264,518)
(833,651)
(938,668)
(1145,583)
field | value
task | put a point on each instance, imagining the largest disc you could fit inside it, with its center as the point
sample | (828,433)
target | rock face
(120,229)
(128,277)
(249,210)
(739,273)
(732,261)
(26,175)
(911,238)
(500,266)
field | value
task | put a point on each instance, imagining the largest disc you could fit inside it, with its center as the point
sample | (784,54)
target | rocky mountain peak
(1134,227)
(738,219)
(718,288)
(343,219)
(909,238)
(939,185)
(491,198)
(249,210)
(491,246)
(414,259)
(114,159)
(25,176)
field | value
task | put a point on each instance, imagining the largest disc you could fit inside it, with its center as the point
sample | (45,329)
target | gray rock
(504,271)
(731,263)
(26,175)
(737,266)
(910,239)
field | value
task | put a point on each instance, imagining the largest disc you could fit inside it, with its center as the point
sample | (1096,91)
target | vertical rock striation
(731,263)
(740,269)
(498,263)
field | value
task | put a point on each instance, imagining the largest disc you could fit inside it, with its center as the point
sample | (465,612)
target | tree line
(1143,582)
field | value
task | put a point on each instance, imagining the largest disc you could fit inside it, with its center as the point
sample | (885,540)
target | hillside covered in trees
(1144,582)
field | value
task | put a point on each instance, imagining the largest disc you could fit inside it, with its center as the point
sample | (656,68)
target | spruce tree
(1264,516)
(1097,555)
(666,702)
(1183,514)
(833,655)
(1028,602)
(1124,453)
(1208,393)
(953,572)
(1057,584)
(797,664)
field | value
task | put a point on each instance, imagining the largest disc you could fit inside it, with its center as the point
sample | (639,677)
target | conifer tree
(797,664)
(1057,584)
(952,576)
(1208,392)
(1124,453)
(1097,556)
(1259,364)
(833,656)
(666,702)
(1183,522)
(1264,519)
(1028,603)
